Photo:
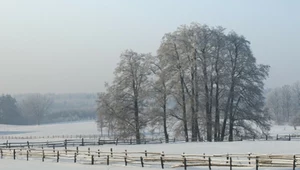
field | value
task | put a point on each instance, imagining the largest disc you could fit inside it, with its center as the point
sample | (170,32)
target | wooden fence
(98,141)
(97,136)
(152,159)
(75,142)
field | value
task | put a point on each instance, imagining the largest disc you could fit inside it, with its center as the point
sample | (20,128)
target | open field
(171,151)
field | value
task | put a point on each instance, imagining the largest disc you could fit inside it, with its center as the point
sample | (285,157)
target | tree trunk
(217,114)
(193,117)
(137,123)
(181,77)
(231,121)
(196,99)
(165,118)
(207,100)
(184,109)
(225,116)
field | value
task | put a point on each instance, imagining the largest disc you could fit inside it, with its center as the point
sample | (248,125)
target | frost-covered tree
(126,97)
(210,78)
(35,106)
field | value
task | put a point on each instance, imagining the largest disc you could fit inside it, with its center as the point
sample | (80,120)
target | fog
(71,46)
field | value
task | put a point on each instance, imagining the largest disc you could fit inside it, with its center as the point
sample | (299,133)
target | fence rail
(152,159)
(92,140)
(97,136)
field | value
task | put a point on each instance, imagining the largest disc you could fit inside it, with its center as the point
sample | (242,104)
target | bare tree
(36,106)
(126,97)
(161,91)
(171,51)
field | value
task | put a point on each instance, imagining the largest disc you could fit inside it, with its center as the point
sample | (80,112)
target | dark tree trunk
(207,100)
(184,109)
(217,114)
(196,95)
(165,118)
(194,117)
(181,77)
(225,116)
(137,123)
(231,121)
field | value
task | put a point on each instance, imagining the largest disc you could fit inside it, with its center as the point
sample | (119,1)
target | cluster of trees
(37,109)
(203,83)
(30,111)
(70,115)
(284,104)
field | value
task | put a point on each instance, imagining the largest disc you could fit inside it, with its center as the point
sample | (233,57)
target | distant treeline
(26,109)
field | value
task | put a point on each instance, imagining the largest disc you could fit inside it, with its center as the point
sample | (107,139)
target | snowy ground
(77,128)
(89,127)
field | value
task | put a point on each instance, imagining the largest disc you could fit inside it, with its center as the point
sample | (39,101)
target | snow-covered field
(89,127)
(77,128)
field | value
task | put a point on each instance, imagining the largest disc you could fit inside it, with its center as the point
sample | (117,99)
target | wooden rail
(152,159)
(285,137)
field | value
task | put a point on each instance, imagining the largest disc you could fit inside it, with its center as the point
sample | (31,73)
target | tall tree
(161,89)
(127,96)
(36,106)
(9,111)
(245,76)
(171,51)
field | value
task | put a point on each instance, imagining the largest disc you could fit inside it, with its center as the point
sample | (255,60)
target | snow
(7,164)
(77,128)
(90,127)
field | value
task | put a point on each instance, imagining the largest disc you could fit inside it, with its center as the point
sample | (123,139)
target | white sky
(69,46)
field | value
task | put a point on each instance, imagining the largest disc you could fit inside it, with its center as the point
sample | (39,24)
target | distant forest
(27,109)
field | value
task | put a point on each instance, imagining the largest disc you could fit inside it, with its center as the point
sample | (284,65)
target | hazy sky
(74,45)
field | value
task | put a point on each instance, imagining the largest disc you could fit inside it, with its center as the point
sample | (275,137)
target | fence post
(57,156)
(230,164)
(125,159)
(43,155)
(146,153)
(142,161)
(75,157)
(27,155)
(54,148)
(92,157)
(184,163)
(249,158)
(203,155)
(1,153)
(66,143)
(209,163)
(14,154)
(107,160)
(89,151)
(82,142)
(256,163)
(111,152)
(77,150)
(99,153)
(227,158)
(277,137)
(162,162)
(294,162)
(125,152)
